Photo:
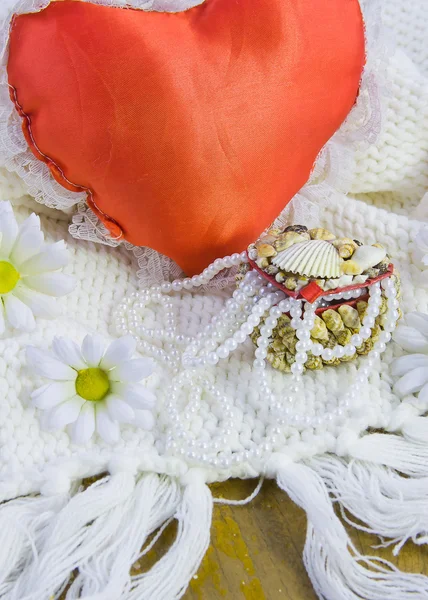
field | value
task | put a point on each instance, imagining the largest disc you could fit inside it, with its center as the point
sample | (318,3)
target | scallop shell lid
(314,258)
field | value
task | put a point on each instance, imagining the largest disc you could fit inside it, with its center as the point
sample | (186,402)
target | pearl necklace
(189,360)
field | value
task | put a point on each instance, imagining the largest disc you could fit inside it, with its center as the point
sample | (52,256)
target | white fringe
(97,534)
(100,531)
(337,570)
(392,506)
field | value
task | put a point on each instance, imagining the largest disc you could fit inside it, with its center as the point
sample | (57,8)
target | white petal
(29,240)
(410,339)
(39,304)
(423,394)
(93,349)
(52,394)
(419,321)
(109,430)
(47,366)
(68,352)
(83,428)
(138,396)
(2,318)
(51,258)
(8,229)
(119,410)
(119,351)
(144,419)
(52,284)
(65,413)
(412,382)
(408,362)
(132,370)
(18,314)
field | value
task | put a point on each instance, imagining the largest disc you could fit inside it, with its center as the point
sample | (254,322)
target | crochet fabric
(46,535)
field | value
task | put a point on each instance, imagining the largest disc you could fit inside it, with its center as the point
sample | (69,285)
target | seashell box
(316,266)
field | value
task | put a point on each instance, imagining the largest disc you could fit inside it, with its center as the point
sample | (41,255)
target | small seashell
(278,361)
(242,271)
(363,258)
(372,273)
(343,281)
(271,270)
(314,258)
(285,240)
(333,320)
(331,284)
(280,277)
(277,345)
(301,283)
(319,330)
(321,234)
(345,246)
(335,324)
(383,266)
(252,252)
(265,239)
(350,267)
(359,279)
(362,308)
(262,263)
(290,283)
(274,232)
(296,228)
(350,316)
(314,363)
(266,250)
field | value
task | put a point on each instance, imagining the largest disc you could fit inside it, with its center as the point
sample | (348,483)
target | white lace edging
(333,172)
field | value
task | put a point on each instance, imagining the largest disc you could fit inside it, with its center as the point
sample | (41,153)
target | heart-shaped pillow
(189,131)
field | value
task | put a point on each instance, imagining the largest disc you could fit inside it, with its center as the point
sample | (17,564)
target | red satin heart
(191,131)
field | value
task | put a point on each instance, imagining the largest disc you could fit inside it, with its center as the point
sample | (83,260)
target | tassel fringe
(337,570)
(99,533)
(84,542)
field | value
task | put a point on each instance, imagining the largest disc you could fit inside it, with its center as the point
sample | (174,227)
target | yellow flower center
(92,384)
(9,277)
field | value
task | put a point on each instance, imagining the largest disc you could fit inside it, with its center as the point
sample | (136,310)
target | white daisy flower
(412,369)
(29,277)
(93,389)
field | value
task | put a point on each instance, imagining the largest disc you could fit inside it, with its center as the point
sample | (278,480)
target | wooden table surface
(256,550)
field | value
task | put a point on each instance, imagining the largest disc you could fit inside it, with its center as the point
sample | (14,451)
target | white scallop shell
(315,258)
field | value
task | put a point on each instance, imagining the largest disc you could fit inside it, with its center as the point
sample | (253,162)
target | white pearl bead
(177,285)
(284,305)
(302,334)
(349,350)
(301,357)
(253,320)
(261,353)
(231,344)
(296,368)
(365,332)
(317,349)
(271,322)
(327,354)
(247,328)
(240,337)
(339,351)
(368,321)
(356,340)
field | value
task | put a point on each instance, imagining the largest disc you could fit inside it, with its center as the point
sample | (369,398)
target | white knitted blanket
(101,531)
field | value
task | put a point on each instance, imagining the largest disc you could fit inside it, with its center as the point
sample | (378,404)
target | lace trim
(332,173)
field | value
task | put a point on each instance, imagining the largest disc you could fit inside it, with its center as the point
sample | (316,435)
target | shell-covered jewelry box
(337,273)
